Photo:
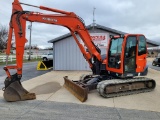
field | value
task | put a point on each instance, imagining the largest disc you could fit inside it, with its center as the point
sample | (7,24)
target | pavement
(49,87)
(55,102)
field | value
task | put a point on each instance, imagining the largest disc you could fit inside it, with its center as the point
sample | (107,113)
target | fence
(13,57)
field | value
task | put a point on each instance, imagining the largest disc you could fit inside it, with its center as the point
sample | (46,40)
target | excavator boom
(18,25)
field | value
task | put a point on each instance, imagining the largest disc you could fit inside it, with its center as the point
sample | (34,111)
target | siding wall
(68,56)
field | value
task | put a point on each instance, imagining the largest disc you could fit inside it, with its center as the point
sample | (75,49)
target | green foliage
(3,37)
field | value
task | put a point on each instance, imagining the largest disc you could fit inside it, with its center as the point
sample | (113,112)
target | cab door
(130,54)
(141,54)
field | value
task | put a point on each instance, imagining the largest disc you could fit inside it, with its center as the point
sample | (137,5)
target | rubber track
(102,85)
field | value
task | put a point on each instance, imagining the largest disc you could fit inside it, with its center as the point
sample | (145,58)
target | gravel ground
(42,110)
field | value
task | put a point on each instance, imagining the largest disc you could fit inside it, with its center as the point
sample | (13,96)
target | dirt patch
(46,88)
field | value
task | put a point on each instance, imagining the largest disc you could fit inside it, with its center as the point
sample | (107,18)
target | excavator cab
(127,55)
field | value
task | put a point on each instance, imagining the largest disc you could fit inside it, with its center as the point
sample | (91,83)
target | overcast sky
(131,16)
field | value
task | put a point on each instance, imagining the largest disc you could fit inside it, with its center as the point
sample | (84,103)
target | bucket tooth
(77,89)
(16,92)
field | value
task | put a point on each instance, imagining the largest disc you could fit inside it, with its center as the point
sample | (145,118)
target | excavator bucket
(16,92)
(76,88)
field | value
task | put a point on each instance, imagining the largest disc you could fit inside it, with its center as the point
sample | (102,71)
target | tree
(35,47)
(3,37)
(49,48)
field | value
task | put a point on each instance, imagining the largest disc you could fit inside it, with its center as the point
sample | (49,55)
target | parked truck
(47,56)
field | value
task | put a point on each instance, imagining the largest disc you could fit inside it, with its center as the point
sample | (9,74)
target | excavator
(119,72)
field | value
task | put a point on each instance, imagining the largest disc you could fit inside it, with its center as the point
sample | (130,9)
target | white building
(66,53)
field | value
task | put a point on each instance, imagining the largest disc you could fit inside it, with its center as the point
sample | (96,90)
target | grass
(24,61)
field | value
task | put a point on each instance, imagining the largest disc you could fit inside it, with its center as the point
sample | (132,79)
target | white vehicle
(47,57)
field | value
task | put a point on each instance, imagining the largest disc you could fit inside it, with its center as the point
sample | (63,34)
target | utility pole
(30,27)
(94,21)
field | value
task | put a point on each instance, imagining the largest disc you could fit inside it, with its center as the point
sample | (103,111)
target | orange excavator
(114,74)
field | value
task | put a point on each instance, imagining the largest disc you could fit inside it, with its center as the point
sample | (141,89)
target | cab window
(130,46)
(116,46)
(142,45)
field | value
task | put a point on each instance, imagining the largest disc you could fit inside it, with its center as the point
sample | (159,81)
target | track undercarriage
(108,86)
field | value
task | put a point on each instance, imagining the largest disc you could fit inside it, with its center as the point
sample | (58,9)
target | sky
(130,16)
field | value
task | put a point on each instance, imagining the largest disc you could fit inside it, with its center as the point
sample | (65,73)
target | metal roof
(97,26)
(88,27)
(153,42)
(105,28)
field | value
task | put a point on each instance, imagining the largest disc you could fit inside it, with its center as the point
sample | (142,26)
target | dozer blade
(77,89)
(16,92)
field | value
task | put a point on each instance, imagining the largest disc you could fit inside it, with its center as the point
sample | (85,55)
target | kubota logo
(49,19)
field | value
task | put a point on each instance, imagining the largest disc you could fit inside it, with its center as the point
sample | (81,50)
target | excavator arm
(18,25)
